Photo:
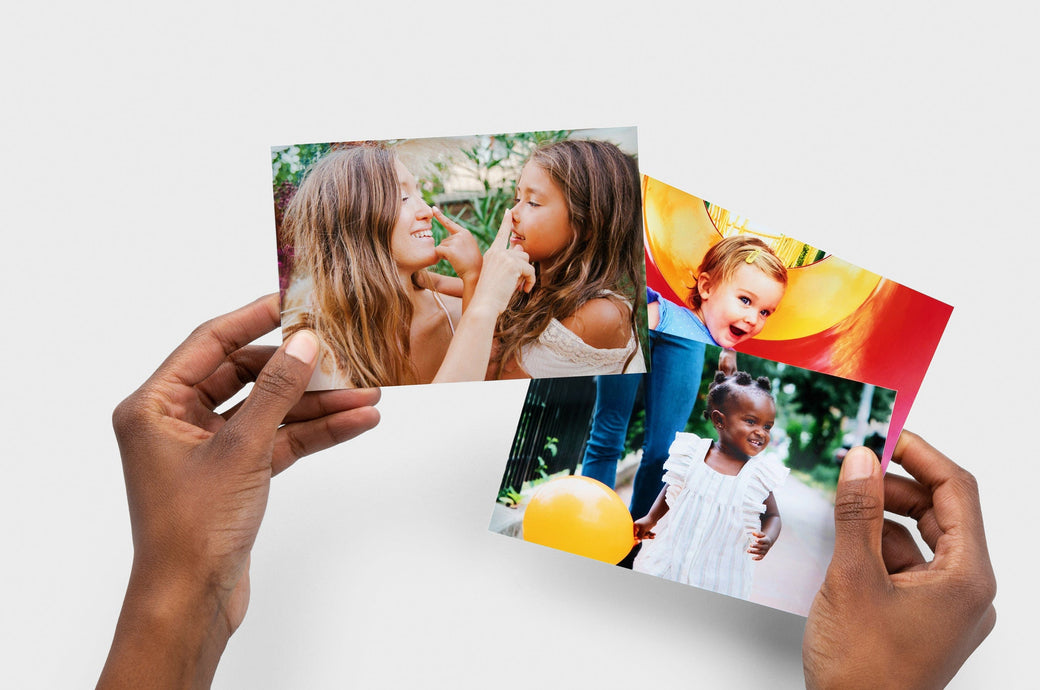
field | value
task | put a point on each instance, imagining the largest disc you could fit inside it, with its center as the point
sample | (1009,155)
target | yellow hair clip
(752,256)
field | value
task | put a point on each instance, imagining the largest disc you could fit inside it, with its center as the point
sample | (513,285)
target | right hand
(459,248)
(643,528)
(505,270)
(885,616)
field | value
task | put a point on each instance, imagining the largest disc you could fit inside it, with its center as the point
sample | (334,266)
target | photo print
(800,305)
(463,258)
(719,473)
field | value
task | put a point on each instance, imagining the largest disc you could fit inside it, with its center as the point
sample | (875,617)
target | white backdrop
(136,203)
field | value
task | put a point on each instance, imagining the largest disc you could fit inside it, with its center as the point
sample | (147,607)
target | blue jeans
(669,393)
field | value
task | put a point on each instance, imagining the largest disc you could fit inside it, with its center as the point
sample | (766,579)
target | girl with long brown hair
(578,217)
(361,237)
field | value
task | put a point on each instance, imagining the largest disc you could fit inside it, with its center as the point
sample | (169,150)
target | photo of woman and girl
(555,294)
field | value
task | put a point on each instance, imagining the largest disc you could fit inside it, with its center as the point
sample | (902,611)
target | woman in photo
(362,240)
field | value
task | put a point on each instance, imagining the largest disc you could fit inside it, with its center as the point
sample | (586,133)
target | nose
(752,318)
(423,211)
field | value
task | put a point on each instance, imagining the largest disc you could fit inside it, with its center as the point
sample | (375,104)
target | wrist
(471,274)
(171,632)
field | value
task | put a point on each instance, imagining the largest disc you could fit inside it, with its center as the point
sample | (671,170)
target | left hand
(759,546)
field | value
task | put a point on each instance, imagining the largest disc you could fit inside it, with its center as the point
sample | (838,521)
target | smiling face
(745,422)
(736,310)
(412,243)
(541,220)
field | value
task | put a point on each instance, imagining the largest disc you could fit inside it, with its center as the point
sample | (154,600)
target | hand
(459,248)
(642,528)
(728,361)
(885,616)
(759,546)
(505,270)
(197,484)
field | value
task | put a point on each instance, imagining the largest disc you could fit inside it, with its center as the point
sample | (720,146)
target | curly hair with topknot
(723,388)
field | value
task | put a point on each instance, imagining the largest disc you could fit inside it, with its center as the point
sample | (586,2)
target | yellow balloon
(582,516)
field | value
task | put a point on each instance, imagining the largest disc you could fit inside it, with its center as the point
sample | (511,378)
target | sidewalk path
(792,572)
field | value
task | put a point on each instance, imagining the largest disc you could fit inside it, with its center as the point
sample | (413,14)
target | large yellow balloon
(582,516)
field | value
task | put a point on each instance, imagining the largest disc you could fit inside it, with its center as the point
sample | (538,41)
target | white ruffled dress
(703,538)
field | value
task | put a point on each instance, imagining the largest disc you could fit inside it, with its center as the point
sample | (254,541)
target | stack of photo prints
(695,380)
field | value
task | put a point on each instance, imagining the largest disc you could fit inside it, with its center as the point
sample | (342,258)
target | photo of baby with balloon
(743,504)
(463,258)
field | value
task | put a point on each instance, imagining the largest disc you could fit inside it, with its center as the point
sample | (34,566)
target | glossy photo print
(716,277)
(716,469)
(463,258)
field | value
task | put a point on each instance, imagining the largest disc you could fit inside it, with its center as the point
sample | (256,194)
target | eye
(744,299)
(765,313)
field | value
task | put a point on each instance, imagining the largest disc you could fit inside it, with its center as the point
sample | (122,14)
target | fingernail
(858,464)
(302,346)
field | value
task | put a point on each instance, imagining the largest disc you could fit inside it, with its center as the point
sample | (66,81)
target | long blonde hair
(601,186)
(340,223)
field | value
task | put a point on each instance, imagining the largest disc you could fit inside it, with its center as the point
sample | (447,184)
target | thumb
(278,388)
(859,515)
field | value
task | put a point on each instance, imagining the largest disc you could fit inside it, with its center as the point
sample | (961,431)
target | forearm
(168,635)
(660,506)
(771,525)
(469,287)
(470,350)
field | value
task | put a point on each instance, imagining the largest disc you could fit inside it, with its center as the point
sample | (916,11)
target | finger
(955,495)
(898,548)
(909,498)
(527,277)
(209,344)
(858,519)
(294,441)
(450,224)
(501,240)
(322,403)
(277,390)
(238,369)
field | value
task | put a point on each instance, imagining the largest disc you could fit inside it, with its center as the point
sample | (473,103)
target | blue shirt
(677,320)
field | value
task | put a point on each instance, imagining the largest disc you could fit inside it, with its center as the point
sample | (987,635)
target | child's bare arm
(643,527)
(764,540)
(728,361)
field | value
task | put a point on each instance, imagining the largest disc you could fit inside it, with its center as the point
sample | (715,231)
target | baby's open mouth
(737,332)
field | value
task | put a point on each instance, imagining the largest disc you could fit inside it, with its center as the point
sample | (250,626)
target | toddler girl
(739,284)
(718,495)
(578,217)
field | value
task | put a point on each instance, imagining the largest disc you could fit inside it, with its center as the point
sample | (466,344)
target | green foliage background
(810,409)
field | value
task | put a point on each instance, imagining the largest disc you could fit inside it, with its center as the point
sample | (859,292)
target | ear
(704,285)
(718,419)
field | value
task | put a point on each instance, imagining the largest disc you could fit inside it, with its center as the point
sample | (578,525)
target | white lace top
(703,538)
(561,352)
